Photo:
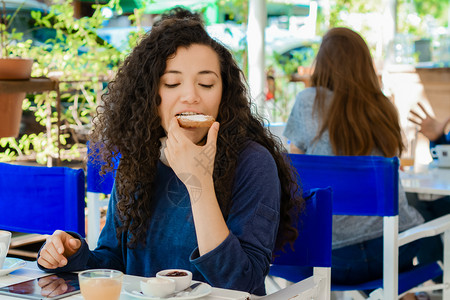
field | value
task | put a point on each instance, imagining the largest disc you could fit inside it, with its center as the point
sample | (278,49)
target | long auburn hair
(127,122)
(360,117)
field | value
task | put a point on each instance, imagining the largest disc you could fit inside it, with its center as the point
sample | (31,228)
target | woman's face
(191,83)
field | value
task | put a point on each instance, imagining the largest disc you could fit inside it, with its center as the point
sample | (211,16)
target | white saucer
(202,290)
(12,264)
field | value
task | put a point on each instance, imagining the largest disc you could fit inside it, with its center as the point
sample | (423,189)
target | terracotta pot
(11,103)
(10,114)
(15,68)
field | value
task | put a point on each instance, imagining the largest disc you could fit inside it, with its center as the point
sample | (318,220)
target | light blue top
(301,128)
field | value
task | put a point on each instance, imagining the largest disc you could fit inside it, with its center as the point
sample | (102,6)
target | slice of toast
(195,120)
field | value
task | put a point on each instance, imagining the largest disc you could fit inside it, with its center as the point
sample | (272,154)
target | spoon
(189,289)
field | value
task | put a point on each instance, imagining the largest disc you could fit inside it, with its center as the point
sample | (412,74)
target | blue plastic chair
(311,252)
(368,185)
(41,199)
(96,185)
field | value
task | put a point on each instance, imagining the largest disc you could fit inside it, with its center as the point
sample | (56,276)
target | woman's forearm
(210,226)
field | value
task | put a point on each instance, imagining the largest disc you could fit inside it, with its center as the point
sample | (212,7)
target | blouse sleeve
(242,260)
(444,139)
(109,252)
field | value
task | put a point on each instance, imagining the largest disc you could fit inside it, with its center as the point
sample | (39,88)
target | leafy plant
(5,37)
(281,68)
(83,63)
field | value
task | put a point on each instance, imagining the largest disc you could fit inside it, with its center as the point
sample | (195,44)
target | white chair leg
(446,277)
(322,278)
(93,232)
(390,257)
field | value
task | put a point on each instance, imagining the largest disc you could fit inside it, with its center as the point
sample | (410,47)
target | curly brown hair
(127,122)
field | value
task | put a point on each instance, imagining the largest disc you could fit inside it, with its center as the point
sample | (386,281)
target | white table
(427,179)
(30,271)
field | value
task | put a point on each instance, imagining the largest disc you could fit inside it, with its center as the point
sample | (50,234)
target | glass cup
(407,161)
(100,284)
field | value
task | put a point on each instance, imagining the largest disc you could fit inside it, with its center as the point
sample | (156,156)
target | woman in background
(346,113)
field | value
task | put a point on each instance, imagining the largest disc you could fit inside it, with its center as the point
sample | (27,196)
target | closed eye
(171,85)
(208,86)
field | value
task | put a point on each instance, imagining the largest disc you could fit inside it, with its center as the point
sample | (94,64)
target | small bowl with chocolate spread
(181,277)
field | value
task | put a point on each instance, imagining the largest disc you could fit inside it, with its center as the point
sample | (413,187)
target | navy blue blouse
(240,262)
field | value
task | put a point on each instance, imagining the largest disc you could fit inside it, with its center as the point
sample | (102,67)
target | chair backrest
(373,180)
(311,251)
(362,185)
(312,248)
(368,185)
(97,183)
(41,199)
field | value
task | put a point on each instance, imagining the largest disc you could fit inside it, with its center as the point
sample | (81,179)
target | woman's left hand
(187,158)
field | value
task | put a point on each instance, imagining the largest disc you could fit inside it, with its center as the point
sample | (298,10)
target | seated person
(189,193)
(430,206)
(346,113)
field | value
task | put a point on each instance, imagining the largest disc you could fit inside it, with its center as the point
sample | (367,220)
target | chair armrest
(431,228)
(306,288)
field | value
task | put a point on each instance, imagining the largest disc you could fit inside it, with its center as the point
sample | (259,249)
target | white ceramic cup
(157,287)
(442,152)
(181,281)
(5,240)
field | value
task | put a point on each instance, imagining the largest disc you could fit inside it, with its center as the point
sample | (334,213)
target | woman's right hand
(58,247)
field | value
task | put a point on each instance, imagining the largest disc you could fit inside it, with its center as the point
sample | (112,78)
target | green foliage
(7,37)
(82,62)
(288,65)
(237,10)
(436,8)
(342,7)
(281,68)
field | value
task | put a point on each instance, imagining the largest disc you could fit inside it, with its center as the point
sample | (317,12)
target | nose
(189,94)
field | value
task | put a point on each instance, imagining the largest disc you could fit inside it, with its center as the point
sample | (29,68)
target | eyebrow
(205,72)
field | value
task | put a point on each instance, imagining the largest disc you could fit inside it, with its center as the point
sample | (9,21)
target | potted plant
(11,68)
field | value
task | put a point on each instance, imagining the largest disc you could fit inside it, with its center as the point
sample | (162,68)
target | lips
(188,113)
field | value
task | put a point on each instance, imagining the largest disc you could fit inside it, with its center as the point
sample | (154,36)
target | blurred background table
(426,179)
